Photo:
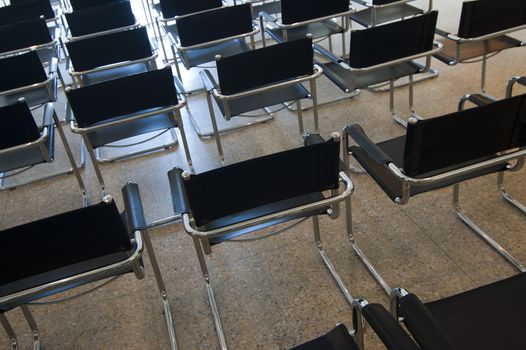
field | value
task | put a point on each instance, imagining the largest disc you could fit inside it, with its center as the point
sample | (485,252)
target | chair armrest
(441,32)
(178,191)
(47,119)
(477,99)
(422,325)
(208,80)
(358,134)
(312,139)
(179,86)
(522,80)
(267,17)
(327,54)
(53,66)
(133,207)
(387,329)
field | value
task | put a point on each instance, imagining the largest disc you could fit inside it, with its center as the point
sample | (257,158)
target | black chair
(300,18)
(482,32)
(377,12)
(110,56)
(29,10)
(484,318)
(82,246)
(285,186)
(384,53)
(444,151)
(262,78)
(205,35)
(171,10)
(481,100)
(20,37)
(122,108)
(383,324)
(100,20)
(84,4)
(23,144)
(23,76)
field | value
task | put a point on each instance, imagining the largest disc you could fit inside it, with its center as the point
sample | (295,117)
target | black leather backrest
(172,8)
(23,35)
(100,18)
(98,102)
(252,183)
(293,11)
(18,125)
(84,4)
(265,66)
(383,2)
(108,49)
(26,11)
(392,41)
(98,227)
(215,24)
(21,70)
(483,17)
(459,137)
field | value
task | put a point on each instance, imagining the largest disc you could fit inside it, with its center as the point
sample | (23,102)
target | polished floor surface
(276,293)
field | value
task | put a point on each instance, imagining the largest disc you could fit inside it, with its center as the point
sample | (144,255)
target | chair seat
(266,99)
(61,246)
(272,8)
(114,73)
(489,317)
(33,97)
(29,156)
(394,148)
(337,339)
(317,29)
(385,14)
(340,76)
(474,49)
(194,57)
(129,129)
(262,211)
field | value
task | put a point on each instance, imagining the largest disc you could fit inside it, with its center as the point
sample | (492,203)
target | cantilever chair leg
(10,332)
(314,95)
(217,137)
(210,292)
(508,197)
(93,159)
(395,116)
(33,325)
(162,288)
(300,117)
(481,233)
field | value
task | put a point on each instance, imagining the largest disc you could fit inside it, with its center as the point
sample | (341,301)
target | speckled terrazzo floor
(276,293)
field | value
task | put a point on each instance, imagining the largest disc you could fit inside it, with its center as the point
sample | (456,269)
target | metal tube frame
(200,239)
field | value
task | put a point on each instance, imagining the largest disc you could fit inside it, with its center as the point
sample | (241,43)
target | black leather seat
(377,12)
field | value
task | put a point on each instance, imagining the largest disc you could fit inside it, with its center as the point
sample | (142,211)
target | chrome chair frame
(273,23)
(213,89)
(202,246)
(142,242)
(353,90)
(481,40)
(409,182)
(50,120)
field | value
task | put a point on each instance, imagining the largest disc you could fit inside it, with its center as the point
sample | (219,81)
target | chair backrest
(84,4)
(215,24)
(384,2)
(21,70)
(100,18)
(269,179)
(293,11)
(464,136)
(107,49)
(25,11)
(392,41)
(22,35)
(484,17)
(265,66)
(139,92)
(18,125)
(98,226)
(172,8)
